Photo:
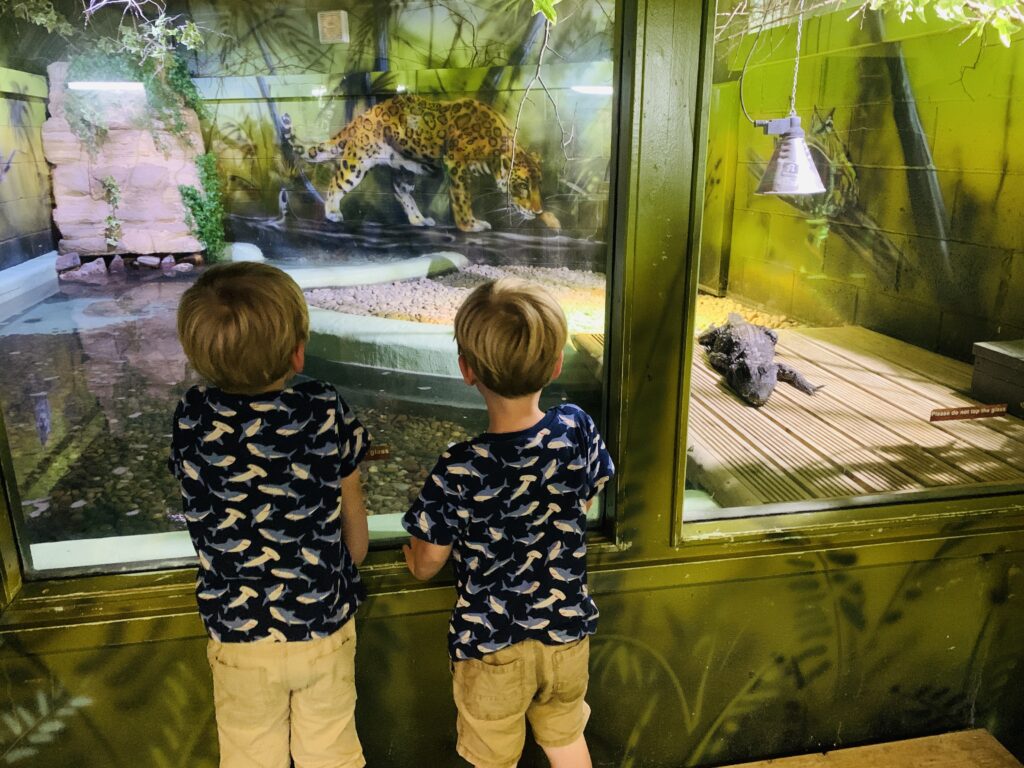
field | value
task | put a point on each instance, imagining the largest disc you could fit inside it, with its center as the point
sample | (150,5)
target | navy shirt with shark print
(513,507)
(261,492)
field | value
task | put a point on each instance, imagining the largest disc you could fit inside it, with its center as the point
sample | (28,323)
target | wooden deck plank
(966,749)
(880,458)
(927,366)
(917,396)
(866,432)
(730,483)
(932,365)
(794,416)
(869,397)
(809,467)
(591,347)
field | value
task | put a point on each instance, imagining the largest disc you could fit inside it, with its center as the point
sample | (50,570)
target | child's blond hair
(510,333)
(241,323)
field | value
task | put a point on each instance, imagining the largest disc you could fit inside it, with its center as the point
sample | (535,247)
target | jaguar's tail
(315,153)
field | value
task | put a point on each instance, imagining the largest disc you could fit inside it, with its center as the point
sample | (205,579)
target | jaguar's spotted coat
(414,136)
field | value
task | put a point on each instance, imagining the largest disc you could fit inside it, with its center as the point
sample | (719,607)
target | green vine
(1004,17)
(169,91)
(85,121)
(112,194)
(42,14)
(204,211)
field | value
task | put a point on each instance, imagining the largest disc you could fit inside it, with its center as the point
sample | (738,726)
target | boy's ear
(299,357)
(558,366)
(467,373)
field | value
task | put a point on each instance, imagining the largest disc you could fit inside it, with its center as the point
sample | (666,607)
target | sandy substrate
(581,294)
(435,300)
(713,310)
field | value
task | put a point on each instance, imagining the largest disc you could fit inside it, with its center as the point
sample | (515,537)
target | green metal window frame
(663,72)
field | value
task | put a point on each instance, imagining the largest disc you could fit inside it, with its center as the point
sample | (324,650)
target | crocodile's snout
(755,384)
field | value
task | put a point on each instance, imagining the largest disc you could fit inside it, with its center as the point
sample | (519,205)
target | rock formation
(147,173)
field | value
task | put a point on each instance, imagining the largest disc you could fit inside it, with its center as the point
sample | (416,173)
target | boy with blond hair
(272,499)
(510,507)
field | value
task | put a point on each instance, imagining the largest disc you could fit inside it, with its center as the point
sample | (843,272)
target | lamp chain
(796,59)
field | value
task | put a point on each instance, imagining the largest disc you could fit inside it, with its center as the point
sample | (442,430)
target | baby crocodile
(744,353)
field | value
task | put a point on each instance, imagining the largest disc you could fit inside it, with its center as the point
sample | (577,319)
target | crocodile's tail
(323,152)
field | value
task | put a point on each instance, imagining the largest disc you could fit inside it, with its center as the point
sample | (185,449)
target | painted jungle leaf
(853,612)
(842,558)
(13,724)
(43,704)
(21,753)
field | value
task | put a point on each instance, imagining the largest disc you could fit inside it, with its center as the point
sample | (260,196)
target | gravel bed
(391,484)
(435,300)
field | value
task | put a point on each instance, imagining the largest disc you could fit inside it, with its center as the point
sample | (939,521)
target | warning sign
(968,412)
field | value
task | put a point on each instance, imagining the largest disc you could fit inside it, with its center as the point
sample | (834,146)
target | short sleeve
(174,458)
(183,427)
(600,467)
(353,439)
(432,516)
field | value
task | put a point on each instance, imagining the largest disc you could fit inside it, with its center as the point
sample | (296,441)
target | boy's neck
(277,385)
(506,414)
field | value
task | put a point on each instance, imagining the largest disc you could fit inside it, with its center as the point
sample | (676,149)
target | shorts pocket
(337,666)
(571,668)
(490,691)
(238,687)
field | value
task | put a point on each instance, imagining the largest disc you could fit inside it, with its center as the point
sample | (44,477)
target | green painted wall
(688,668)
(25,207)
(880,250)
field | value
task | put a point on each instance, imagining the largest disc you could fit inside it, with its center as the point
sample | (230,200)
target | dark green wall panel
(828,653)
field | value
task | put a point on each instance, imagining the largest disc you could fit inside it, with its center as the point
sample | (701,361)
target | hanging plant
(142,49)
(1004,17)
(41,13)
(204,210)
(169,91)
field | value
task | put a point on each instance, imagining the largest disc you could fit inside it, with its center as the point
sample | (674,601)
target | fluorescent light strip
(99,85)
(594,90)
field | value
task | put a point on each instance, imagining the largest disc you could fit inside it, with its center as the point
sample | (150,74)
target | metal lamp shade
(791,170)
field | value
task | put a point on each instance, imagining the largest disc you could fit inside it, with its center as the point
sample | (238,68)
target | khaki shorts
(546,683)
(270,695)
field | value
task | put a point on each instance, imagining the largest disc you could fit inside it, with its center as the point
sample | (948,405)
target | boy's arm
(355,529)
(425,559)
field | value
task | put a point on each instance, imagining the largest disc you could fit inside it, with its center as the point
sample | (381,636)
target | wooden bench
(966,749)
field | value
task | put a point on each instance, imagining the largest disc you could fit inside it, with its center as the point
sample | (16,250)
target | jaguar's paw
(424,221)
(333,216)
(476,225)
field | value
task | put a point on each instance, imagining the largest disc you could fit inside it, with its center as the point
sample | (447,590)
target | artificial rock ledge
(151,212)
